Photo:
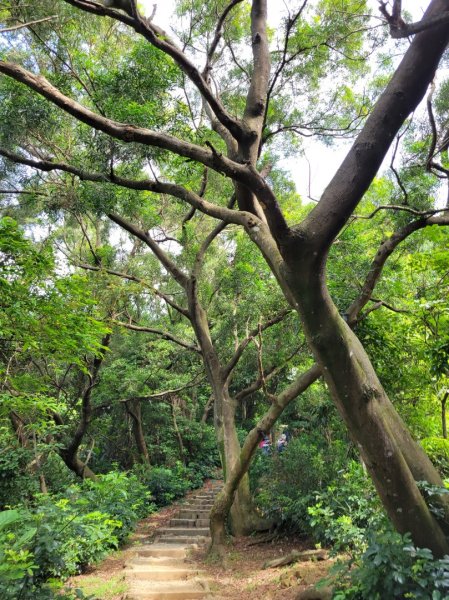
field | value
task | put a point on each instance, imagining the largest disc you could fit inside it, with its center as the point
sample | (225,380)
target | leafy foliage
(438,451)
(392,567)
(59,536)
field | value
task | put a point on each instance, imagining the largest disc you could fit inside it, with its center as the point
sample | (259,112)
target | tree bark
(392,458)
(173,402)
(69,453)
(443,415)
(134,410)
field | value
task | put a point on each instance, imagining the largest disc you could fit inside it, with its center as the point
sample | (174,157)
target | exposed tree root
(296,556)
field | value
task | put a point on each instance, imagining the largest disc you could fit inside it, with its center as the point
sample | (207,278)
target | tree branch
(22,25)
(386,248)
(401,96)
(162,256)
(129,277)
(232,363)
(166,335)
(378,304)
(218,212)
(121,131)
(267,375)
(159,39)
(196,381)
(217,36)
(400,29)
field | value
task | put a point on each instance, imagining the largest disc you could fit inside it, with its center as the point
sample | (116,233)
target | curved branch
(124,132)
(218,35)
(400,207)
(162,256)
(386,248)
(129,277)
(401,96)
(197,381)
(166,335)
(400,29)
(267,375)
(230,366)
(159,39)
(22,25)
(196,201)
(208,241)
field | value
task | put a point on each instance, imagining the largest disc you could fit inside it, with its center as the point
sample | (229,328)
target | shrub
(122,496)
(345,510)
(438,452)
(69,537)
(61,535)
(286,483)
(392,567)
(15,482)
(166,484)
(18,565)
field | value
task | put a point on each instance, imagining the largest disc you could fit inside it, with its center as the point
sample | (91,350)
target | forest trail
(162,570)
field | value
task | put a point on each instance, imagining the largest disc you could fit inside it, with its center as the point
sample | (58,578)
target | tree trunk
(443,414)
(76,465)
(243,516)
(239,471)
(134,410)
(393,459)
(43,484)
(173,402)
(207,409)
(69,453)
(244,519)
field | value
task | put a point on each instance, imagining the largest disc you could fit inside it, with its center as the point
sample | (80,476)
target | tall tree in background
(243,118)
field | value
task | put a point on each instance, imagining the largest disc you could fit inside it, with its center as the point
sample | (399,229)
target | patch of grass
(104,590)
(234,556)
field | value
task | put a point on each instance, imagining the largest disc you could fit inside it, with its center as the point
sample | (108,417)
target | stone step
(189,523)
(192,515)
(167,590)
(178,539)
(151,572)
(162,550)
(210,496)
(157,561)
(183,531)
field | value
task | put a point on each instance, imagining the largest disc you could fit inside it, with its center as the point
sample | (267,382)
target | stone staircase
(162,570)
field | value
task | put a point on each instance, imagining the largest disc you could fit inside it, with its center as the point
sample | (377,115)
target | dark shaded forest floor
(243,579)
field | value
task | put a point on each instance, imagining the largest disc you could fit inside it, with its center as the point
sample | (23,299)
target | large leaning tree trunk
(296,254)
(371,419)
(393,459)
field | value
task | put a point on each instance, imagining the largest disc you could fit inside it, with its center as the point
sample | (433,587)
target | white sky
(313,171)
